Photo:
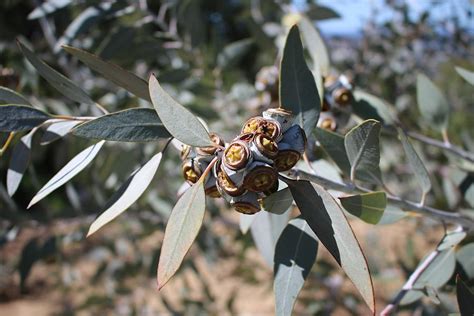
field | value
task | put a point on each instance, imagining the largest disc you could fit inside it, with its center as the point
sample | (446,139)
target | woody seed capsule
(210,150)
(237,155)
(260,177)
(251,125)
(191,171)
(270,128)
(247,203)
(282,116)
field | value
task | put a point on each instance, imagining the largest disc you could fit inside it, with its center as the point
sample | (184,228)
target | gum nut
(210,150)
(345,81)
(227,186)
(191,171)
(185,151)
(260,177)
(246,137)
(282,116)
(327,122)
(211,187)
(272,189)
(296,138)
(251,125)
(257,155)
(247,203)
(270,128)
(287,158)
(236,155)
(342,96)
(266,146)
(235,176)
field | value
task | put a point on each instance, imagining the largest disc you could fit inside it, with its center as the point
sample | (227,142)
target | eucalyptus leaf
(266,229)
(333,144)
(132,125)
(362,147)
(48,7)
(465,257)
(298,91)
(295,254)
(57,130)
(318,12)
(245,221)
(17,118)
(65,86)
(121,77)
(30,254)
(178,120)
(70,170)
(316,47)
(368,106)
(432,103)
(19,162)
(328,222)
(369,207)
(278,202)
(392,214)
(466,74)
(8,96)
(465,297)
(416,164)
(181,230)
(232,53)
(128,193)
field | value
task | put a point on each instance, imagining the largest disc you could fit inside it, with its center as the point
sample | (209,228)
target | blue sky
(355,13)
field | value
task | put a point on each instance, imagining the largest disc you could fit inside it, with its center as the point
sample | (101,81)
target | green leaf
(69,171)
(333,144)
(465,257)
(466,74)
(465,297)
(68,88)
(416,164)
(232,53)
(57,130)
(316,47)
(181,230)
(295,254)
(432,103)
(266,229)
(369,207)
(328,222)
(17,118)
(110,71)
(179,121)
(128,193)
(298,92)
(362,147)
(8,96)
(132,125)
(278,202)
(19,162)
(368,106)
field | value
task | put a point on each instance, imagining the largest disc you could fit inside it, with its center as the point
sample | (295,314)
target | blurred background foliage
(218,58)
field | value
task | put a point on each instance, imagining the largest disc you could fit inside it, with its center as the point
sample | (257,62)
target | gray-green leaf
(328,222)
(295,254)
(278,202)
(466,74)
(432,103)
(465,297)
(128,193)
(132,125)
(316,47)
(465,257)
(121,77)
(369,106)
(57,130)
(369,207)
(179,121)
(19,162)
(298,92)
(181,230)
(8,96)
(17,118)
(333,144)
(65,86)
(232,53)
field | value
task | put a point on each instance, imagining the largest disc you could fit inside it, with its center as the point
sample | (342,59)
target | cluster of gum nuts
(246,169)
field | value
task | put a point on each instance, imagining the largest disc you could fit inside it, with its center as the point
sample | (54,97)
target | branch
(444,216)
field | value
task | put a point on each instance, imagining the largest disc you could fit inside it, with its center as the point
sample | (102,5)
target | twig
(7,143)
(415,207)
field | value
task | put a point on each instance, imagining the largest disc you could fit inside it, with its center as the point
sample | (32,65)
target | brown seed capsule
(286,159)
(282,116)
(266,146)
(270,128)
(272,189)
(261,177)
(251,125)
(327,123)
(247,203)
(226,185)
(342,96)
(237,155)
(191,171)
(247,137)
(210,150)
(185,151)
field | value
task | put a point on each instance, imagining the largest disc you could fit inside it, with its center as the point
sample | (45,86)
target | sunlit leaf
(19,162)
(465,297)
(368,106)
(416,164)
(57,130)
(70,170)
(179,121)
(316,47)
(8,96)
(232,53)
(48,7)
(369,207)
(121,77)
(17,118)
(466,74)
(465,257)
(392,214)
(333,144)
(266,229)
(298,92)
(295,254)
(278,202)
(432,103)
(328,222)
(181,230)
(245,221)
(132,125)
(362,147)
(128,193)
(65,86)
